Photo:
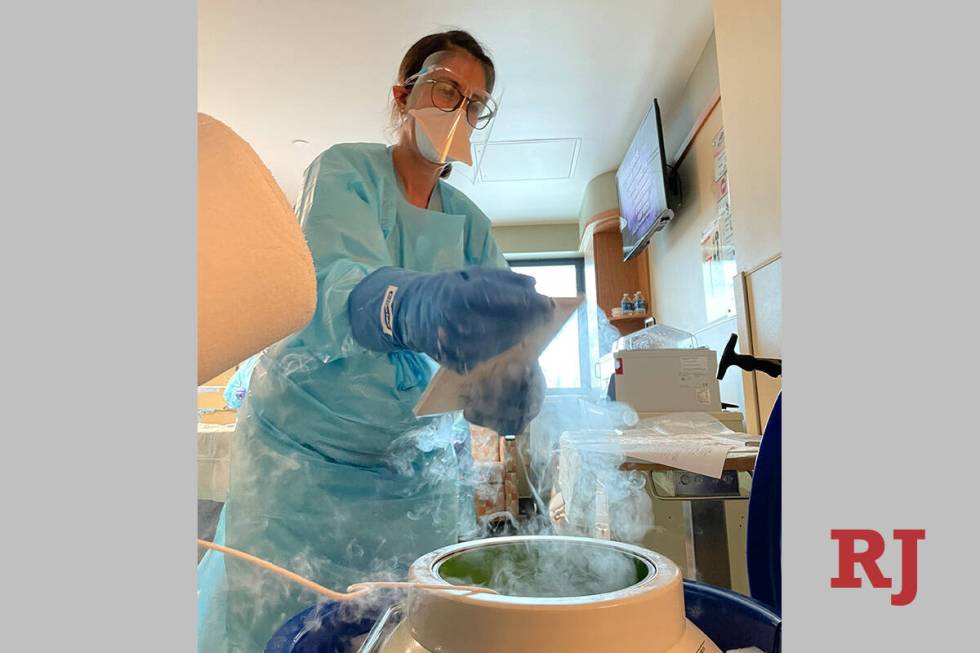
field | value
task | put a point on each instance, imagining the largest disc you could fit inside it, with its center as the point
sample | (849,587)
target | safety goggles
(446,94)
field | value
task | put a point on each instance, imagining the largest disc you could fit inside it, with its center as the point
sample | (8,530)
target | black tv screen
(642,184)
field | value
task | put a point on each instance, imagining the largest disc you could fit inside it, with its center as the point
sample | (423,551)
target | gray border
(879,199)
(98,269)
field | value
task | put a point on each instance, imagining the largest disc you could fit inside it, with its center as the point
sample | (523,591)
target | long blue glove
(459,318)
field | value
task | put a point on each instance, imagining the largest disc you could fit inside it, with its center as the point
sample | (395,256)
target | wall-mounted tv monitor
(642,184)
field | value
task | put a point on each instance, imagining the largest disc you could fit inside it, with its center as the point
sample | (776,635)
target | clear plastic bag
(597,497)
(658,336)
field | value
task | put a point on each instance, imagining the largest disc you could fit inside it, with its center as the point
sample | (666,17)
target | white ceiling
(568,69)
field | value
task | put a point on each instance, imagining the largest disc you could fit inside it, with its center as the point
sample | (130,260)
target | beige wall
(741,61)
(747,34)
(748,43)
(600,196)
(675,251)
(537,238)
(701,87)
(675,255)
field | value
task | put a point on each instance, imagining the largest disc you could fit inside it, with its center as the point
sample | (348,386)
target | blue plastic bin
(729,619)
(320,629)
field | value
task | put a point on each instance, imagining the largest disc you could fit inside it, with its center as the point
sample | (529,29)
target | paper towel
(256,282)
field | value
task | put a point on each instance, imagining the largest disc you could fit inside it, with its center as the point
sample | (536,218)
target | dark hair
(451,40)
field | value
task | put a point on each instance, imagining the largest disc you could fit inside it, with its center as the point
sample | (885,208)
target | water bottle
(626,304)
(639,302)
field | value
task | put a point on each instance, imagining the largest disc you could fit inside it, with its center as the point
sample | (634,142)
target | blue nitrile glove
(505,398)
(459,318)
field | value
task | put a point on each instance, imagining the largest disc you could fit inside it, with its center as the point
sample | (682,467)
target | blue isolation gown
(332,475)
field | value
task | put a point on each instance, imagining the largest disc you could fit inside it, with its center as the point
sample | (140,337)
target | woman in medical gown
(332,474)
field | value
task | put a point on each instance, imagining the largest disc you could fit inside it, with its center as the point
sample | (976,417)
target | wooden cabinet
(608,277)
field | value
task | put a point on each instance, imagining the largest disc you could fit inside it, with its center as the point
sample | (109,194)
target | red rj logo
(849,558)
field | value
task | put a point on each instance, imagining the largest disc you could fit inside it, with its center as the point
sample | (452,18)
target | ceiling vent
(532,160)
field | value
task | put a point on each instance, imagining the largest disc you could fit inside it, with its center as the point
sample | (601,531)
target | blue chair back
(763,545)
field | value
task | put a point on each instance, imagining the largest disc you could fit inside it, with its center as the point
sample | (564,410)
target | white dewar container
(644,615)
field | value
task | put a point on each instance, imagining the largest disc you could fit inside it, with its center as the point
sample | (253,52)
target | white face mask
(442,136)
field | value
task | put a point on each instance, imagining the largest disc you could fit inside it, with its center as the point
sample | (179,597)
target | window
(564,362)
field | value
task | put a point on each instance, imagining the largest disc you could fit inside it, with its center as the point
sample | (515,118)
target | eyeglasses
(446,96)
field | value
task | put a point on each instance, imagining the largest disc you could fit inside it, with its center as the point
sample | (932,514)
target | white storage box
(664,380)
